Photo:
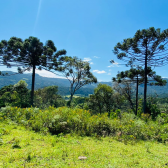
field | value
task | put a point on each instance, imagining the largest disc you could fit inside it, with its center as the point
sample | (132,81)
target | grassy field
(23,148)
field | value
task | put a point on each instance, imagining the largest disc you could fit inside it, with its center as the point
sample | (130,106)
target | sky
(88,29)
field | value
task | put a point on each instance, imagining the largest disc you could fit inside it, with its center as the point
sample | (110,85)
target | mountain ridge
(63,84)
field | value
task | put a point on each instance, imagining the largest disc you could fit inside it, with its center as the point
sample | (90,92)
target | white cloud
(113,65)
(99,72)
(87,59)
(45,73)
(42,72)
(109,74)
(96,57)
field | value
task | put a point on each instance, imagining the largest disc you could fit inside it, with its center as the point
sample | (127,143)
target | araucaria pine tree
(148,47)
(31,53)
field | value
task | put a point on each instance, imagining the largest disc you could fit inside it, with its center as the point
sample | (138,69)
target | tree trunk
(145,84)
(71,92)
(136,97)
(70,100)
(33,82)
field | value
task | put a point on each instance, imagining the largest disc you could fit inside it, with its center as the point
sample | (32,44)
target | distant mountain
(63,84)
(41,82)
(160,90)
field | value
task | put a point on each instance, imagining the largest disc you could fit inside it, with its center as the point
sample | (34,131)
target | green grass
(23,148)
(74,96)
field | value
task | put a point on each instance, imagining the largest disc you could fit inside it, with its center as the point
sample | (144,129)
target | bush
(124,126)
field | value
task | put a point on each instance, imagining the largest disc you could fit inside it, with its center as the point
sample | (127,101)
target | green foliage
(76,71)
(30,53)
(1,141)
(147,48)
(115,114)
(123,126)
(139,42)
(136,76)
(104,99)
(61,150)
(153,110)
(16,144)
(23,94)
(140,107)
(126,92)
(48,96)
(78,102)
(132,73)
(15,95)
(18,95)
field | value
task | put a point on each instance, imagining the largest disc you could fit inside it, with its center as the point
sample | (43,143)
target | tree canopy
(137,76)
(104,99)
(148,47)
(30,53)
(76,71)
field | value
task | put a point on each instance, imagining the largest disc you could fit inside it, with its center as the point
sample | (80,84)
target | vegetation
(63,85)
(128,77)
(48,96)
(148,47)
(93,131)
(24,148)
(30,53)
(121,125)
(104,99)
(77,72)
(62,133)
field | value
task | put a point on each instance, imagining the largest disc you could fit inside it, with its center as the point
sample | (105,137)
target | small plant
(4,131)
(1,141)
(116,114)
(147,146)
(64,154)
(15,144)
(29,157)
(145,117)
(32,138)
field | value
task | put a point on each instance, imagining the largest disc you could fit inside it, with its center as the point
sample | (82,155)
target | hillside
(41,82)
(57,137)
(24,148)
(63,84)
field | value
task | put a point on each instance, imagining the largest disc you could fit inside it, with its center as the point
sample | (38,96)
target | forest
(87,110)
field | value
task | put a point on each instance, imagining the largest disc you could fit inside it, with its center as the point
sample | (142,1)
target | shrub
(124,126)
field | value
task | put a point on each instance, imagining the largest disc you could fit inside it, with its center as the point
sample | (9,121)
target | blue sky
(88,29)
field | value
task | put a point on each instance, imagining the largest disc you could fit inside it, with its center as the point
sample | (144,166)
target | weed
(1,141)
(28,159)
(32,138)
(15,144)
(64,154)
(148,146)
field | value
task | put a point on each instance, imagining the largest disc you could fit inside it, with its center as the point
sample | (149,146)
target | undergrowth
(122,126)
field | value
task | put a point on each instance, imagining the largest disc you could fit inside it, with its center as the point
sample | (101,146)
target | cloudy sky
(88,29)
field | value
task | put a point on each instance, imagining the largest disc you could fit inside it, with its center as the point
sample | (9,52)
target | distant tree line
(18,95)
